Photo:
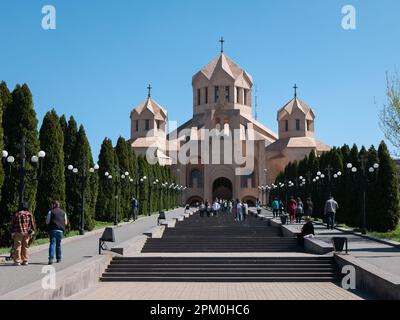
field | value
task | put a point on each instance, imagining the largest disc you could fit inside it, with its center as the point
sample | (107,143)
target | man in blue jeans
(330,209)
(56,221)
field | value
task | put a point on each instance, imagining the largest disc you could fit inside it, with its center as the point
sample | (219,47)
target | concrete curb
(69,281)
(370,278)
(372,238)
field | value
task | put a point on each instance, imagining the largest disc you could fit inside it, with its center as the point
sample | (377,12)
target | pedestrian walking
(258,206)
(275,207)
(299,210)
(56,221)
(239,212)
(208,208)
(245,209)
(134,209)
(202,209)
(22,228)
(216,208)
(308,207)
(281,208)
(330,209)
(292,205)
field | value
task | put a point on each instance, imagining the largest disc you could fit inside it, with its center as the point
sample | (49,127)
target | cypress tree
(387,192)
(336,162)
(83,160)
(63,124)
(122,153)
(143,203)
(1,144)
(20,123)
(71,181)
(352,187)
(6,100)
(51,184)
(372,200)
(105,200)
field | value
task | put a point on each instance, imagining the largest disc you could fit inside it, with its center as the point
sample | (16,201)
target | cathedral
(222,106)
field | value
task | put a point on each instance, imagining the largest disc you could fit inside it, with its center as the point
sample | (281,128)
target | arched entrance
(222,188)
(192,201)
(251,201)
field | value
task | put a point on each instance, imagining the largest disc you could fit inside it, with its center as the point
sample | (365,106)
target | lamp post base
(81,232)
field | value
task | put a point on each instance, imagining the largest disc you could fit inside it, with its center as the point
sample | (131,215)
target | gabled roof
(295,104)
(222,62)
(152,106)
(297,142)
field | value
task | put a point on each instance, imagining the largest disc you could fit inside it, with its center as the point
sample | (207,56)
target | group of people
(297,209)
(239,209)
(23,227)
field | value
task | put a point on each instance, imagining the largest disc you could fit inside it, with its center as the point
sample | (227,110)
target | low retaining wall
(69,281)
(372,279)
(311,245)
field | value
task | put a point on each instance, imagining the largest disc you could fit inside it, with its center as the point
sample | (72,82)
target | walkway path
(12,277)
(173,290)
(217,291)
(383,256)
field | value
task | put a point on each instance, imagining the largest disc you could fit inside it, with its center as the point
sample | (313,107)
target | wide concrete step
(220,279)
(222,273)
(224,259)
(244,269)
(218,250)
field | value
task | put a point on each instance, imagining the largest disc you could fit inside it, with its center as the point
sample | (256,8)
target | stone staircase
(222,269)
(221,234)
(198,235)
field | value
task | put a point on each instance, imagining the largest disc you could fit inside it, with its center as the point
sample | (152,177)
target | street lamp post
(22,173)
(123,177)
(84,175)
(363,176)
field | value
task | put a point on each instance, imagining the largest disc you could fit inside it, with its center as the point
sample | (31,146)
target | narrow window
(206,96)
(137,125)
(245,97)
(216,93)
(297,124)
(147,124)
(227,94)
(286,125)
(237,95)
(198,97)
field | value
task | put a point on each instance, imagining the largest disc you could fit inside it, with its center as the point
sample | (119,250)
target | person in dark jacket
(56,221)
(306,231)
(308,207)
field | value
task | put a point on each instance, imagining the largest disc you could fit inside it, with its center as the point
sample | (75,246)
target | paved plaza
(217,291)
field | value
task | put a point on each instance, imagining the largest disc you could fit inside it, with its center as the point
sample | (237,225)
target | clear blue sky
(97,63)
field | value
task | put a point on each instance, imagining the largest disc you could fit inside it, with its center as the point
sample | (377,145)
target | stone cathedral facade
(222,103)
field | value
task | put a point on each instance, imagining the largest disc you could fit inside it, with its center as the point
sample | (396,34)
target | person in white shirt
(215,208)
(239,213)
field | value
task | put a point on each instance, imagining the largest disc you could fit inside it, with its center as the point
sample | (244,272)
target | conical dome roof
(222,62)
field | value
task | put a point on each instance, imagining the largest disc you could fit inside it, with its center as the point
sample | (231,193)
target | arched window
(195,179)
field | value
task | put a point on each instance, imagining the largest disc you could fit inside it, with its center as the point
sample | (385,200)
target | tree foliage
(381,186)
